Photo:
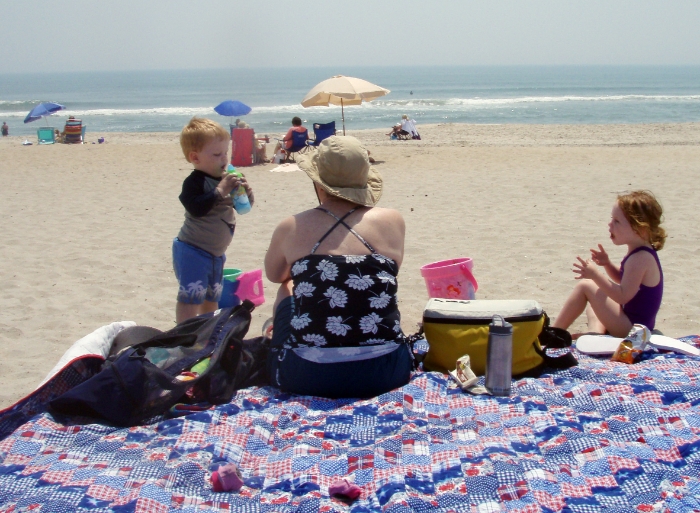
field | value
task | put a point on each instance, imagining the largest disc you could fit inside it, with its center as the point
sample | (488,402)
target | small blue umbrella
(232,108)
(43,110)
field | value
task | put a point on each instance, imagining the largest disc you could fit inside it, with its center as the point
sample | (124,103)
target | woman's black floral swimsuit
(344,300)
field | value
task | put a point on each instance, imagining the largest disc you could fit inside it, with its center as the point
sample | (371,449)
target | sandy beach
(87,229)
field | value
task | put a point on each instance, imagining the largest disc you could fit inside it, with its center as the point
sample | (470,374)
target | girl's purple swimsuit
(644,306)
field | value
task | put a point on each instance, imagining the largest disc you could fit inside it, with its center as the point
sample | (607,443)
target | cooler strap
(555,338)
(411,341)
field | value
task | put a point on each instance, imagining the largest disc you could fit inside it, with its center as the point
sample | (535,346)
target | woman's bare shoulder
(385,213)
(290,222)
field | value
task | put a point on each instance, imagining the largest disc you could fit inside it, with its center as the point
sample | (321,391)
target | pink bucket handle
(469,276)
(258,288)
(251,287)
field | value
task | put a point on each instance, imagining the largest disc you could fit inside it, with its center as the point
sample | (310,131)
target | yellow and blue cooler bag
(454,328)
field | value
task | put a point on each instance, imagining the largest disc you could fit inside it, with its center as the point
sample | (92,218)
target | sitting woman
(259,144)
(288,138)
(398,133)
(337,326)
(409,126)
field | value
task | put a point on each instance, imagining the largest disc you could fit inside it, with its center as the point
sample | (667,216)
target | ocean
(163,101)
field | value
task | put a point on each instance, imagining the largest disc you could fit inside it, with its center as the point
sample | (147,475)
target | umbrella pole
(342,110)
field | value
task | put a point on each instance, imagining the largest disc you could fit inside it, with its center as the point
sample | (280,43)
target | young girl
(629,294)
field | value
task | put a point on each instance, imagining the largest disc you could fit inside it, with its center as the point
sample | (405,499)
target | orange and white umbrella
(342,90)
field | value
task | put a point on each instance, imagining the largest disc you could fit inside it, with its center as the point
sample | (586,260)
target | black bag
(139,379)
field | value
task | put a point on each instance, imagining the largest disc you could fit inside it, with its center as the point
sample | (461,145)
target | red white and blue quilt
(600,437)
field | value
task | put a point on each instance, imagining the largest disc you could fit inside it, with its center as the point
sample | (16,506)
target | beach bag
(148,371)
(454,328)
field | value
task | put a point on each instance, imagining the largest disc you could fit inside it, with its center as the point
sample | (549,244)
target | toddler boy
(199,250)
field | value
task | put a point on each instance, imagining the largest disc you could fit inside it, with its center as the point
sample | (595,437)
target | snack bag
(632,346)
(463,374)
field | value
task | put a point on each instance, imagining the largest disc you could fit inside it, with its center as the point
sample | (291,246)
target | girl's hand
(600,257)
(584,269)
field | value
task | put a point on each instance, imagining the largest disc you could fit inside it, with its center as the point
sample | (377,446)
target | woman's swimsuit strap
(340,220)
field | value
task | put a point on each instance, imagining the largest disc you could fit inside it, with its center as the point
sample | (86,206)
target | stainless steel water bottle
(499,356)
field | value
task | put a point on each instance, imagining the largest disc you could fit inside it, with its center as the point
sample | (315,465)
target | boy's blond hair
(198,132)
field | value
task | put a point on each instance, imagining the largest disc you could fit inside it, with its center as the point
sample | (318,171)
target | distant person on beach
(631,293)
(405,129)
(287,139)
(259,144)
(5,129)
(336,330)
(397,132)
(409,125)
(199,250)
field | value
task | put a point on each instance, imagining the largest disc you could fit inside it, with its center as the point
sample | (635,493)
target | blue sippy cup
(240,197)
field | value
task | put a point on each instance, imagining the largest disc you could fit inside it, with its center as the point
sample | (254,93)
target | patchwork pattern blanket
(603,436)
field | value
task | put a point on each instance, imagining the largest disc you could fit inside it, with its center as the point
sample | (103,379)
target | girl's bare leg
(594,324)
(604,312)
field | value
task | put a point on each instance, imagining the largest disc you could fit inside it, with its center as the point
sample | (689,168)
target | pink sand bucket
(250,286)
(450,279)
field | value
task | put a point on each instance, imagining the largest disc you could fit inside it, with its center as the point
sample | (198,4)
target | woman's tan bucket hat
(341,167)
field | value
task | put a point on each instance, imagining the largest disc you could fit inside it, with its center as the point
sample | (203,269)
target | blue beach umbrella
(42,110)
(232,108)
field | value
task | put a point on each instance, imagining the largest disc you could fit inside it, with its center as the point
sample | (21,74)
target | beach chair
(46,135)
(300,144)
(402,135)
(73,132)
(242,140)
(322,131)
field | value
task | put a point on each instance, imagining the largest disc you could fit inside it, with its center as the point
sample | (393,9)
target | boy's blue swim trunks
(200,274)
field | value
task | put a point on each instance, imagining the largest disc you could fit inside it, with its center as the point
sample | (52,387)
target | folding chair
(300,144)
(46,135)
(73,131)
(242,151)
(322,131)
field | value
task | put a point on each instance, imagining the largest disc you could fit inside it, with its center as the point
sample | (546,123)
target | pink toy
(344,488)
(226,478)
(250,286)
(450,279)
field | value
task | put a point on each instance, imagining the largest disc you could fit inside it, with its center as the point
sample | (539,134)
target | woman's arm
(277,269)
(388,233)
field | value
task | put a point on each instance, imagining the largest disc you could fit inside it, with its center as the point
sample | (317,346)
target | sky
(81,35)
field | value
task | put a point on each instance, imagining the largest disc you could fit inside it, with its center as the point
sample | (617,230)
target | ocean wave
(156,111)
(15,103)
(14,109)
(497,102)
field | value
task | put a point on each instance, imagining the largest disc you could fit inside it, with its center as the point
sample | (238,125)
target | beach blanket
(602,436)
